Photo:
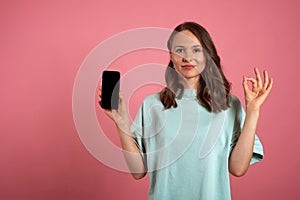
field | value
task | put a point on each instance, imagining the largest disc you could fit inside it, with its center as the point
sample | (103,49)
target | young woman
(194,132)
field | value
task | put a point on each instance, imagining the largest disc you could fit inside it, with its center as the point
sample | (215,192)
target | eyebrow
(184,46)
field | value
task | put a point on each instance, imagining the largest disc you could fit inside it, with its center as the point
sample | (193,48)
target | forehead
(185,38)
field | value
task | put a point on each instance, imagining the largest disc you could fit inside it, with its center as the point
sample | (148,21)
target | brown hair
(213,90)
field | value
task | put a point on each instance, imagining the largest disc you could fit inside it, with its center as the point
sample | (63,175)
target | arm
(241,155)
(131,151)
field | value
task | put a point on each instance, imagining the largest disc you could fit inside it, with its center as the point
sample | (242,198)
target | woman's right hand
(130,149)
(120,116)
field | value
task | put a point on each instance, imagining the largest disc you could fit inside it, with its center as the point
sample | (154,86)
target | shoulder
(236,108)
(234,101)
(235,105)
(150,103)
(152,99)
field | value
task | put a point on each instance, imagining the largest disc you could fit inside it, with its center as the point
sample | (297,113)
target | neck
(191,83)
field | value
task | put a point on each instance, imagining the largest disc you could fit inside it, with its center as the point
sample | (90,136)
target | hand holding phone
(110,89)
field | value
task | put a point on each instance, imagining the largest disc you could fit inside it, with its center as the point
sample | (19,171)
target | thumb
(115,115)
(245,84)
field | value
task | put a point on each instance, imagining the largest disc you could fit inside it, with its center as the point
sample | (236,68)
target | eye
(179,50)
(197,50)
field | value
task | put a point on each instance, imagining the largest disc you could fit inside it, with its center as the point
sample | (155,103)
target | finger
(253,81)
(115,115)
(254,84)
(100,96)
(100,91)
(270,85)
(109,113)
(266,80)
(245,84)
(121,98)
(121,95)
(258,78)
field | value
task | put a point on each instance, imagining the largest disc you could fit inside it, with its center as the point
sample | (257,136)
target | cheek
(176,60)
(201,60)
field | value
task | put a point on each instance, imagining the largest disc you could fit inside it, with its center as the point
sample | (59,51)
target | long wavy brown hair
(213,91)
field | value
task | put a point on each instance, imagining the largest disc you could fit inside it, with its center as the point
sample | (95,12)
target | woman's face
(187,55)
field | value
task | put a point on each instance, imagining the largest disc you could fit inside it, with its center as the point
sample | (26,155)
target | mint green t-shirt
(186,149)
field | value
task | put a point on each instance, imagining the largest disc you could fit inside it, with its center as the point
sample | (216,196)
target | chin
(189,76)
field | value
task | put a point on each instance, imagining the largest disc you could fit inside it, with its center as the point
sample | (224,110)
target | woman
(191,134)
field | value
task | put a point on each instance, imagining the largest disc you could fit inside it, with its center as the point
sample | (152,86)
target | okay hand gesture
(257,94)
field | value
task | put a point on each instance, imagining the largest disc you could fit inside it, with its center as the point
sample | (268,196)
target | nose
(187,57)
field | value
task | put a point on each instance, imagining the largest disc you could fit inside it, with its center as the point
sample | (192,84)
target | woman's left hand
(256,95)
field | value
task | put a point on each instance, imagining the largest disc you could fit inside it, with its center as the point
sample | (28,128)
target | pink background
(42,45)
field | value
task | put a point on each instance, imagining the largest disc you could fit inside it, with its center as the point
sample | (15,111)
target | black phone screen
(110,89)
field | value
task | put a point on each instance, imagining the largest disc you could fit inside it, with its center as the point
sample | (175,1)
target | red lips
(188,67)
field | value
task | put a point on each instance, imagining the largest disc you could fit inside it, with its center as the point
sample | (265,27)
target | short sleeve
(238,125)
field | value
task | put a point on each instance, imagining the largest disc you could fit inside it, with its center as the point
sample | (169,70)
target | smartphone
(110,89)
